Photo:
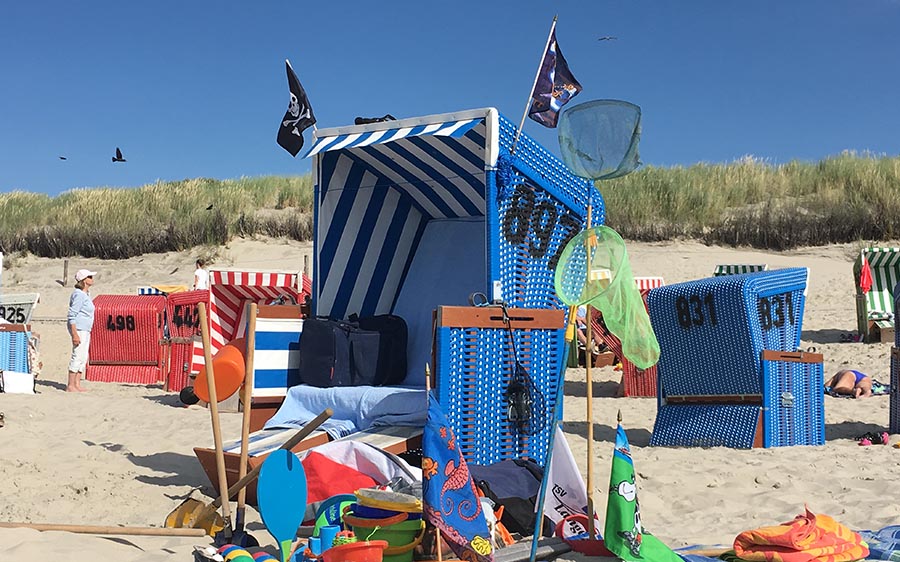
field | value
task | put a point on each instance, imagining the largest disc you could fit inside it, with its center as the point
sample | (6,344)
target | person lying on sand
(850,382)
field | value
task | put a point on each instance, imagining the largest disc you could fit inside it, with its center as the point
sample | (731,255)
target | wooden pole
(306,265)
(107,530)
(588,359)
(245,403)
(65,272)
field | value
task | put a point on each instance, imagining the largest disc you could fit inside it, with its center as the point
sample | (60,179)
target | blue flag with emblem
(554,87)
(450,501)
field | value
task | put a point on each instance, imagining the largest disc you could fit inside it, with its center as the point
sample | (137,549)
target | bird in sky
(210,207)
(63,158)
(607,38)
(118,156)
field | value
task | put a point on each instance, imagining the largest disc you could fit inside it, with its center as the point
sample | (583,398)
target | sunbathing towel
(878,389)
(356,408)
(883,544)
(807,538)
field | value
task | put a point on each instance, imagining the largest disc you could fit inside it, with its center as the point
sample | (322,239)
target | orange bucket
(360,551)
(228,367)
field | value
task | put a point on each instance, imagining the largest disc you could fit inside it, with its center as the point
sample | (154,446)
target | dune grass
(846,198)
(165,216)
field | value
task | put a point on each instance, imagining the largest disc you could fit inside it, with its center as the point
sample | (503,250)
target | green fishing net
(594,270)
(598,139)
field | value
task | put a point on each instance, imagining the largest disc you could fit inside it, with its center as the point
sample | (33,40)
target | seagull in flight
(607,38)
(118,156)
(210,207)
(63,158)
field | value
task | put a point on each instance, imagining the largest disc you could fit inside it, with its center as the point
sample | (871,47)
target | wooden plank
(792,356)
(492,317)
(289,311)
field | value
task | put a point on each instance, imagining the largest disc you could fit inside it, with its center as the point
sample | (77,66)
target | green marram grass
(161,217)
(846,198)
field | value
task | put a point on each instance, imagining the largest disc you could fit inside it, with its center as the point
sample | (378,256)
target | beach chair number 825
(120,323)
(690,310)
(772,311)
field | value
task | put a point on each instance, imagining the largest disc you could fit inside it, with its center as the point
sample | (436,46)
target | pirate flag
(298,118)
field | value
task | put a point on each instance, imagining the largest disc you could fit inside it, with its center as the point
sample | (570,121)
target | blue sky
(197,88)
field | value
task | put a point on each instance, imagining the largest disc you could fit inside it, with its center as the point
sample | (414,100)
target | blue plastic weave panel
(549,168)
(14,351)
(894,426)
(534,228)
(474,366)
(794,402)
(711,331)
(706,425)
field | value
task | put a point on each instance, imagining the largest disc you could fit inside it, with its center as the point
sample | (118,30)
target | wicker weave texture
(475,367)
(14,351)
(706,425)
(794,412)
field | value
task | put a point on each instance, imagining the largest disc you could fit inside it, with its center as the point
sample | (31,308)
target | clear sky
(195,88)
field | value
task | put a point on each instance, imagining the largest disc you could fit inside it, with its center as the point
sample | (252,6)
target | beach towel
(809,537)
(356,408)
(883,544)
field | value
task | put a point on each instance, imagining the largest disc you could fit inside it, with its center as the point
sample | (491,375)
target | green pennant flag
(623,533)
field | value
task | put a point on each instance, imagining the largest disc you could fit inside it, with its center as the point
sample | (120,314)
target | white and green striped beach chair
(875,309)
(737,269)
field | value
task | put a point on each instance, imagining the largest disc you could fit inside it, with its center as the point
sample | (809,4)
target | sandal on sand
(2,422)
(873,438)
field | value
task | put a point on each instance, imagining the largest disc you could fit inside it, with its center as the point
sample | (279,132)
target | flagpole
(537,75)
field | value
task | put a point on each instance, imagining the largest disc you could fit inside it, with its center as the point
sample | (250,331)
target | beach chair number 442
(772,311)
(186,315)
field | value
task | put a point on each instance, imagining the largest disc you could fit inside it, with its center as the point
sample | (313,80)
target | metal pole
(531,93)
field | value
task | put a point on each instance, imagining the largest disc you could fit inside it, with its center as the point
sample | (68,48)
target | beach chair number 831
(690,310)
(772,311)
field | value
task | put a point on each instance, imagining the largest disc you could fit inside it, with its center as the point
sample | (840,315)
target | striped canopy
(885,266)
(377,187)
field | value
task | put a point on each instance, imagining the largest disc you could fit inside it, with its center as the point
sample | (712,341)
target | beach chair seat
(393,439)
(14,340)
(739,269)
(635,381)
(875,307)
(729,372)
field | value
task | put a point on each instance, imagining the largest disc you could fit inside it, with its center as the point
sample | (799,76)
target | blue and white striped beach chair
(729,370)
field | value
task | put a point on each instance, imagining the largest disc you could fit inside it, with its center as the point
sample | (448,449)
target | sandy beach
(122,454)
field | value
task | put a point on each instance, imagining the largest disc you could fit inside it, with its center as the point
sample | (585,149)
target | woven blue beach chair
(729,370)
(420,213)
(14,348)
(894,424)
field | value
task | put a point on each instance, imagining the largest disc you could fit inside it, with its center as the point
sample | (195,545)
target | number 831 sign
(695,310)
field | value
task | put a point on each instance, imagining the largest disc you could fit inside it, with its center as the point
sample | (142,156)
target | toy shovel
(281,494)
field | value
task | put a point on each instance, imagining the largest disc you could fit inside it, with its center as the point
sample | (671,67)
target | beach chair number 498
(690,310)
(120,322)
(772,311)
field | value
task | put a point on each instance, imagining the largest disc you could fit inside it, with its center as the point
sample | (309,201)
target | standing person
(201,276)
(80,322)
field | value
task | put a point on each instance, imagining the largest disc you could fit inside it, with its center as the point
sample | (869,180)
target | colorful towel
(807,538)
(883,544)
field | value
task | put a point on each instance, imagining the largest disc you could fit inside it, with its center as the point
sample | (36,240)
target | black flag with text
(298,117)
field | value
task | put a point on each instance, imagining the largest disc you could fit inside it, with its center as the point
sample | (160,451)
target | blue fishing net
(599,139)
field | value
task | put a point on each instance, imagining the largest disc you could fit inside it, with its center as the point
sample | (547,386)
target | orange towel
(807,538)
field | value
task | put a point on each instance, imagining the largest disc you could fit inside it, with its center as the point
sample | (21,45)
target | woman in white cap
(80,322)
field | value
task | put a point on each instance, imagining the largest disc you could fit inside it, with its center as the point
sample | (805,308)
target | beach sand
(122,454)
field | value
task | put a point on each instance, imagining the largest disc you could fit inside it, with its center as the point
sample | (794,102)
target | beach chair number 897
(772,311)
(120,323)
(690,310)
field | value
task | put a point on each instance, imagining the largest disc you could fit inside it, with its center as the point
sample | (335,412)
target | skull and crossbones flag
(298,117)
